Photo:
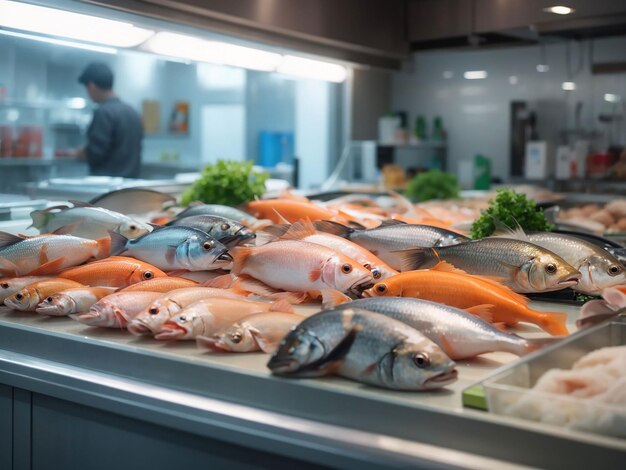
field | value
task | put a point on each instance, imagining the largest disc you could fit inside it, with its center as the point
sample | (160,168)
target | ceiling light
(201,50)
(76,103)
(568,86)
(67,24)
(61,42)
(559,10)
(312,69)
(475,74)
(612,98)
(542,68)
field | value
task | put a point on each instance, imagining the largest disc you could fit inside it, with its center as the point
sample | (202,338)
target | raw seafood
(116,310)
(28,298)
(9,287)
(228,232)
(116,271)
(70,301)
(133,200)
(161,284)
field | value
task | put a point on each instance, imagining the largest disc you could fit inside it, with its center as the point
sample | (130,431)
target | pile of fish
(404,293)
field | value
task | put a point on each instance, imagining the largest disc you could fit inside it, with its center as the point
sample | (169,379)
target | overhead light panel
(202,50)
(76,103)
(475,74)
(612,98)
(559,10)
(60,42)
(67,24)
(312,69)
(568,86)
(543,68)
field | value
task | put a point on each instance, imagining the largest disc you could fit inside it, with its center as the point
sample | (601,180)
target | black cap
(98,73)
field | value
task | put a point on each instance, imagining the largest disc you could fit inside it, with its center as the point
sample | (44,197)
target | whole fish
(366,347)
(617,250)
(483,297)
(70,301)
(151,319)
(305,231)
(116,271)
(599,269)
(28,298)
(208,316)
(221,211)
(226,231)
(297,266)
(291,210)
(133,200)
(116,310)
(459,334)
(388,239)
(174,248)
(522,266)
(160,284)
(256,332)
(9,287)
(46,254)
(89,222)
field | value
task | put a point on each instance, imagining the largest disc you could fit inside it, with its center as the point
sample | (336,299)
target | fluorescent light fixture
(542,68)
(67,24)
(513,80)
(201,50)
(60,42)
(76,103)
(312,69)
(448,74)
(568,86)
(475,74)
(612,98)
(559,10)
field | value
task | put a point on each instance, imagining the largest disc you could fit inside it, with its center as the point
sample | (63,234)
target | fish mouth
(569,281)
(442,379)
(169,332)
(52,310)
(211,343)
(360,286)
(225,257)
(138,328)
(282,366)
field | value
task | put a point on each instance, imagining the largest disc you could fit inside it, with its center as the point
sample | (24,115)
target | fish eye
(132,227)
(376,273)
(225,226)
(381,288)
(235,337)
(346,268)
(614,270)
(49,299)
(153,310)
(148,275)
(182,319)
(421,360)
(19,296)
(551,268)
(207,245)
(5,285)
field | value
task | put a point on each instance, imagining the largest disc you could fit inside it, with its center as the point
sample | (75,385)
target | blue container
(275,148)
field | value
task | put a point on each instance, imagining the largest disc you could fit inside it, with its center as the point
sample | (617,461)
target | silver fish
(219,210)
(522,266)
(133,200)
(458,333)
(366,347)
(393,236)
(227,231)
(174,248)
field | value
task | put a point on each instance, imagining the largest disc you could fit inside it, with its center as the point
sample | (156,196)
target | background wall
(476,112)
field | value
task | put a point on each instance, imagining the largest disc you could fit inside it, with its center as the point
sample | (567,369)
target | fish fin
(254,286)
(118,243)
(446,267)
(238,288)
(356,225)
(7,239)
(43,254)
(51,267)
(77,203)
(533,344)
(104,247)
(554,323)
(281,305)
(333,228)
(280,217)
(500,325)
(315,274)
(177,272)
(504,231)
(40,218)
(330,297)
(390,223)
(272,233)
(221,282)
(68,229)
(417,258)
(291,297)
(300,230)
(615,296)
(8,268)
(170,254)
(482,311)
(240,255)
(265,345)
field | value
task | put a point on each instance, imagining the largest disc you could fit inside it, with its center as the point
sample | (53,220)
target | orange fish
(160,284)
(484,297)
(113,273)
(279,210)
(32,295)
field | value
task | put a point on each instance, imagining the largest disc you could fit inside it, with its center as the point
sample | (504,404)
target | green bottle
(482,172)
(420,128)
(438,132)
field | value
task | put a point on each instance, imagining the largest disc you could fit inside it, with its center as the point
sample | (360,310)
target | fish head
(25,299)
(384,289)
(132,229)
(241,235)
(57,304)
(106,313)
(599,272)
(298,349)
(203,252)
(186,324)
(152,318)
(547,272)
(420,364)
(346,275)
(235,338)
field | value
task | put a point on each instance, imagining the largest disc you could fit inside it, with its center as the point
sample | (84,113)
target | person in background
(116,131)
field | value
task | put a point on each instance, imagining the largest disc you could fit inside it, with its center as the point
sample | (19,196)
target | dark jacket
(114,140)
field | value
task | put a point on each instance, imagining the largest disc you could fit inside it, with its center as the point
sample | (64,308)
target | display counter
(149,404)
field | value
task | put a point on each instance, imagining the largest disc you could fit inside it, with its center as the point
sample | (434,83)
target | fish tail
(40,218)
(533,344)
(271,233)
(417,258)
(240,255)
(221,282)
(117,243)
(554,323)
(104,247)
(334,228)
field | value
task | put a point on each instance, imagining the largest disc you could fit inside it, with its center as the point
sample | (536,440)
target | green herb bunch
(511,209)
(226,182)
(433,184)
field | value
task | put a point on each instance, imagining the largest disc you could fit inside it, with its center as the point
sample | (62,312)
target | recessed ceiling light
(475,74)
(559,10)
(568,86)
